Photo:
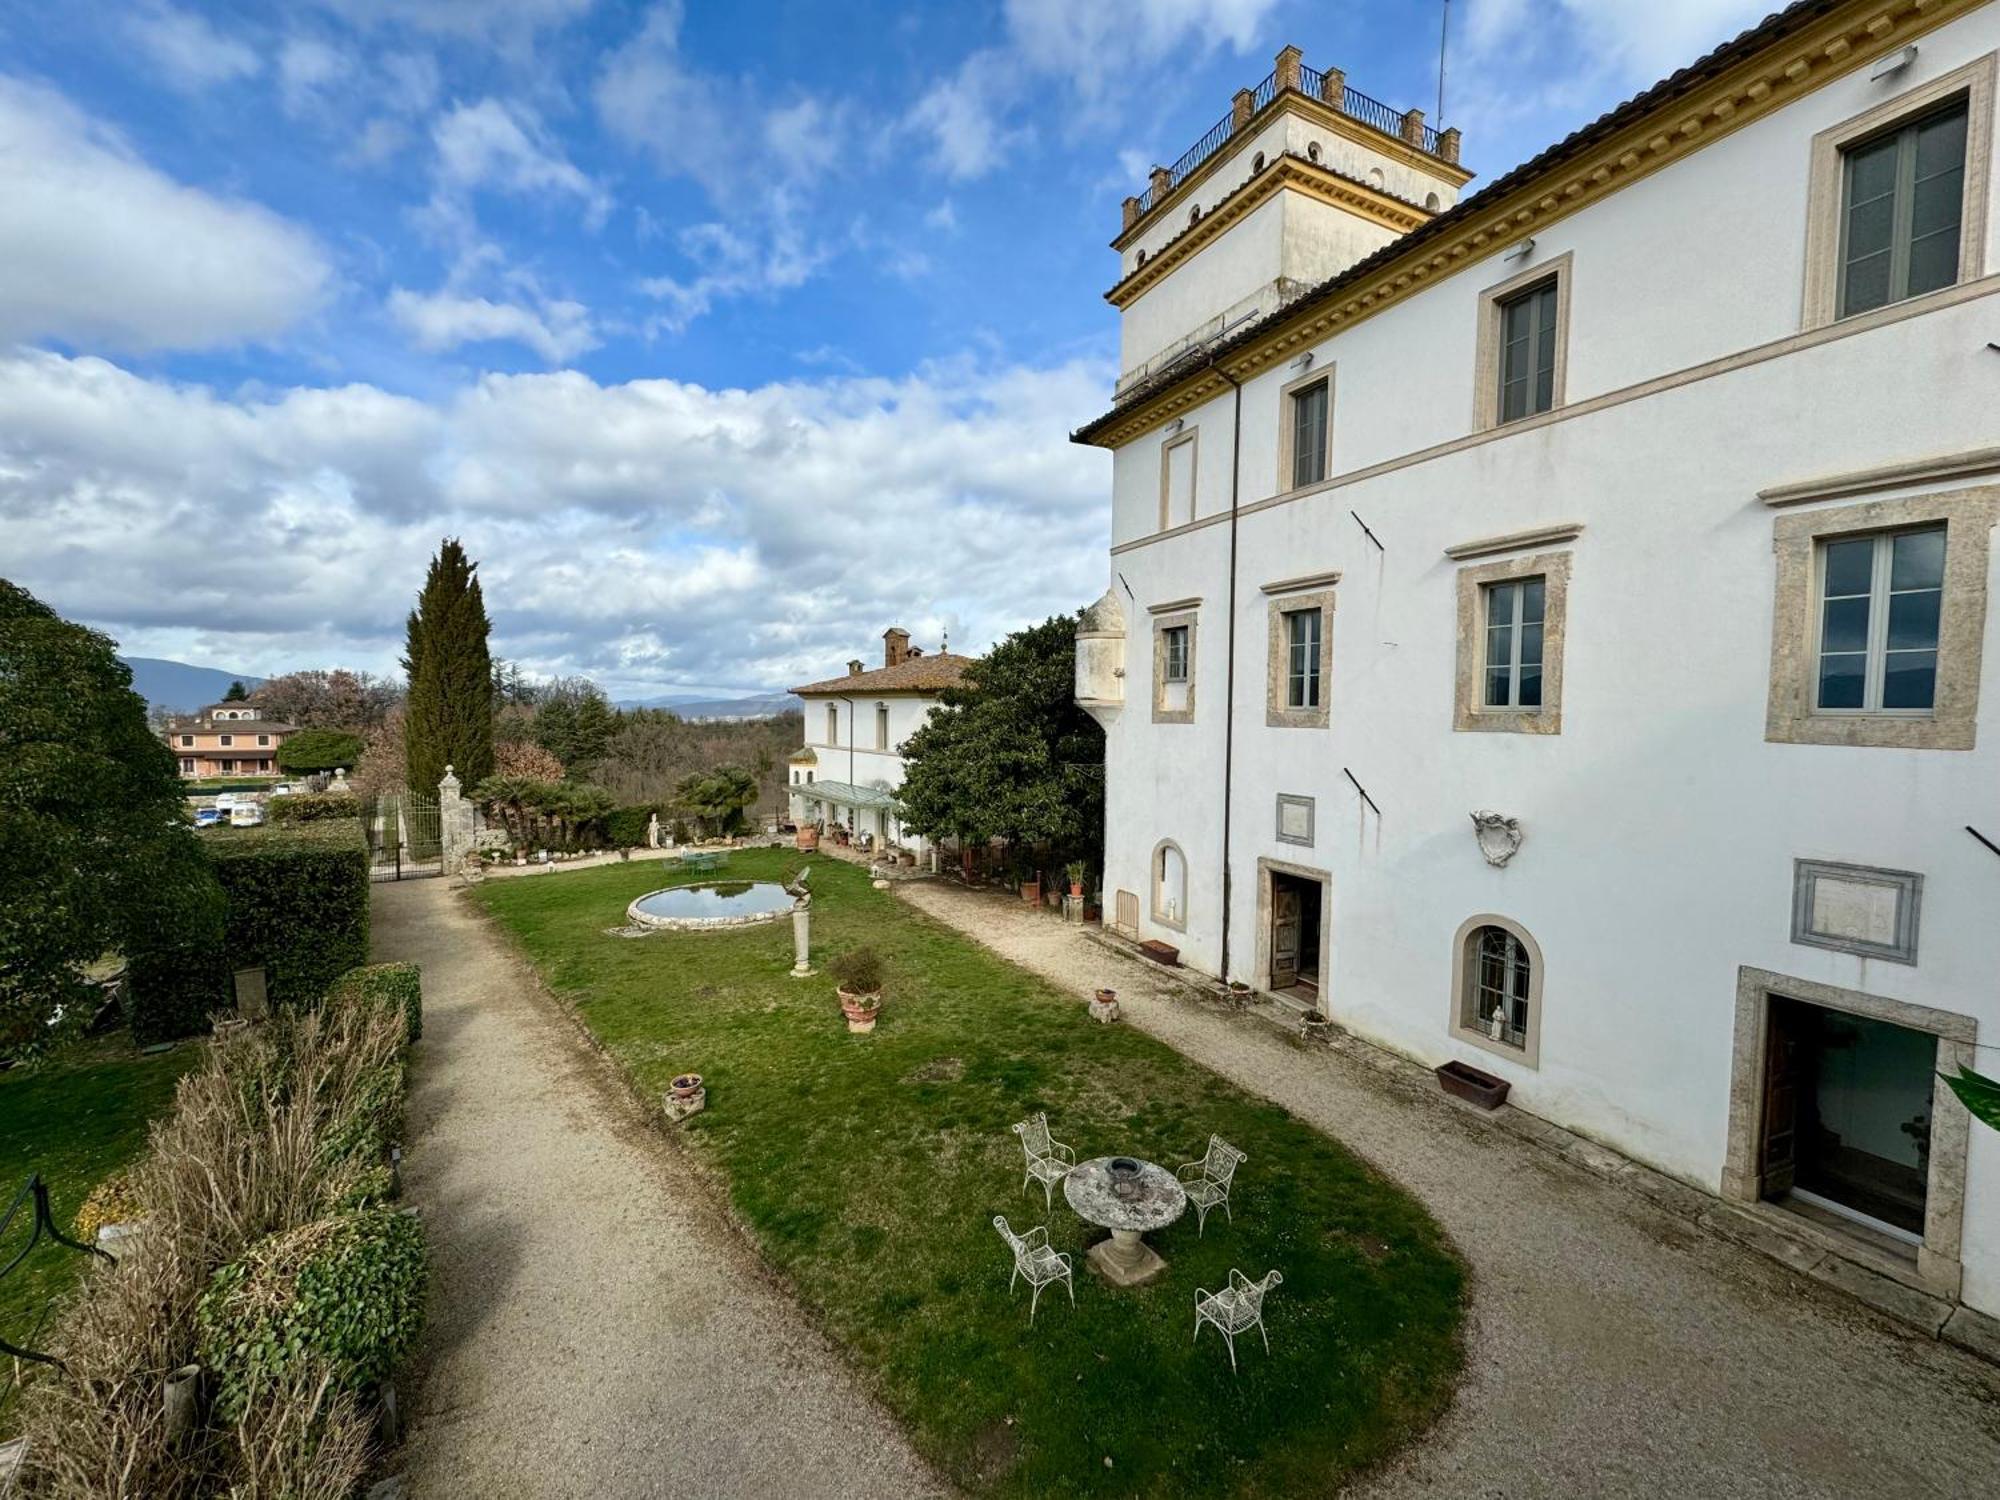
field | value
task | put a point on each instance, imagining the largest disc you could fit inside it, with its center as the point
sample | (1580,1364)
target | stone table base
(1125,1259)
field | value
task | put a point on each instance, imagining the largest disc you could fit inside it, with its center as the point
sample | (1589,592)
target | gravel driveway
(1613,1348)
(596,1329)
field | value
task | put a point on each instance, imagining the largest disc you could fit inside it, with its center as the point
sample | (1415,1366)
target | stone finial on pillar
(1333,86)
(1242,105)
(1413,127)
(1162,180)
(1289,59)
(1131,212)
(1448,143)
(448,787)
(457,831)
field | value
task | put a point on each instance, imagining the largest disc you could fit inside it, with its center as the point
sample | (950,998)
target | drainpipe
(1229,671)
(853,812)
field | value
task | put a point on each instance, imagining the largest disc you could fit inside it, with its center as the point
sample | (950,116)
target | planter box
(1161,953)
(1463,1081)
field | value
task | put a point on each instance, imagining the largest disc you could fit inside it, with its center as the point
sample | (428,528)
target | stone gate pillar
(455,826)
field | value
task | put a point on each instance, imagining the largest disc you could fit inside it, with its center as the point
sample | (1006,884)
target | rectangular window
(227,739)
(187,741)
(1302,628)
(1880,601)
(1528,352)
(229,765)
(1175,639)
(881,727)
(1177,475)
(1902,207)
(833,724)
(187,765)
(1309,430)
(263,739)
(1514,612)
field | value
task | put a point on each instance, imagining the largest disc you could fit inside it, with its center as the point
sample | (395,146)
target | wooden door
(1284,934)
(1783,1055)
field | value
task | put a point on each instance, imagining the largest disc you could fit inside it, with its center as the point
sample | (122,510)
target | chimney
(895,645)
(854,667)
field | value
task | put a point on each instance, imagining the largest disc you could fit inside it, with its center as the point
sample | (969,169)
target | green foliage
(316,750)
(448,718)
(346,1293)
(237,693)
(313,807)
(297,904)
(868,1175)
(96,851)
(625,827)
(858,971)
(1977,1093)
(399,985)
(716,799)
(574,723)
(1009,755)
(543,814)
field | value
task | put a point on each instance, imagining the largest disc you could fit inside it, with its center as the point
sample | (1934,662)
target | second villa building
(1548,628)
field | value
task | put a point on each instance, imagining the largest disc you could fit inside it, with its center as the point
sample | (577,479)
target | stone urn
(808,837)
(232,1026)
(686,1085)
(860,1009)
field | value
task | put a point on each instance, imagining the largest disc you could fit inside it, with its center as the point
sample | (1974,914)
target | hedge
(296,900)
(345,1294)
(313,807)
(625,827)
(393,984)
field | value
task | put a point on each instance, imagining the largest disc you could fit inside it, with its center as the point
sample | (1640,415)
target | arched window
(1194,216)
(1433,202)
(1170,885)
(1256,164)
(1376,179)
(1142,256)
(1497,988)
(1312,150)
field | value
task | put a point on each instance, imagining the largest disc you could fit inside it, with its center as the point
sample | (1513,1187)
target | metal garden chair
(1236,1308)
(1207,1181)
(1049,1160)
(1035,1260)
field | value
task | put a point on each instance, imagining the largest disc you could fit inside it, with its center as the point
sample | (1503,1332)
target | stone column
(1131,212)
(1241,107)
(802,940)
(1161,181)
(455,826)
(1413,127)
(1333,87)
(1448,142)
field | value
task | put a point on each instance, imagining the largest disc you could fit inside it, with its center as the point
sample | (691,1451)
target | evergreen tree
(237,693)
(97,855)
(449,716)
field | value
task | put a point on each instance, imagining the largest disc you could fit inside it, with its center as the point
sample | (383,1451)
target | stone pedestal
(802,942)
(678,1109)
(456,827)
(1125,1259)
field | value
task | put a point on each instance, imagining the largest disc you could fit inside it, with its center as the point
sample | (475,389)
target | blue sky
(725,335)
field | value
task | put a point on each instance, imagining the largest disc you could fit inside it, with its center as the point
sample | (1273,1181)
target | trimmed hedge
(399,985)
(170,995)
(344,1294)
(313,807)
(298,903)
(625,827)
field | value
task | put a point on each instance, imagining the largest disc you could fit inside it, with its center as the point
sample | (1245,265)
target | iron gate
(404,836)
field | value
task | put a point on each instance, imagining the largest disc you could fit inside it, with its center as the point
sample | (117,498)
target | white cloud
(307,69)
(557,330)
(188,52)
(649,97)
(963,116)
(491,145)
(729,263)
(653,532)
(502,22)
(102,249)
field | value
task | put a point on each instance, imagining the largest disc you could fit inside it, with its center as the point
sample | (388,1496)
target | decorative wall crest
(1499,837)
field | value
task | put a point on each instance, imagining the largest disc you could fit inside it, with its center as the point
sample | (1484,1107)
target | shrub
(172,993)
(302,1438)
(313,750)
(345,1295)
(297,904)
(858,971)
(399,985)
(313,807)
(625,827)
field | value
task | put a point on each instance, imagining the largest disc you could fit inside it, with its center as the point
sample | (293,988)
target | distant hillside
(757,706)
(178,686)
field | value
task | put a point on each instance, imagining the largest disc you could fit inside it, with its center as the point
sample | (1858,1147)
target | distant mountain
(178,686)
(757,706)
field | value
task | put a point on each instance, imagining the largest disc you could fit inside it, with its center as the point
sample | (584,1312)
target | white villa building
(851,763)
(1545,626)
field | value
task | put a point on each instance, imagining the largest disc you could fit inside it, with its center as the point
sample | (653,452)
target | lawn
(75,1119)
(869,1169)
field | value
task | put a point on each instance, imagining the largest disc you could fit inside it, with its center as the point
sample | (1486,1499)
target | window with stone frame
(1512,623)
(1881,600)
(1497,988)
(1309,432)
(1175,639)
(1174,666)
(1522,349)
(833,724)
(1298,671)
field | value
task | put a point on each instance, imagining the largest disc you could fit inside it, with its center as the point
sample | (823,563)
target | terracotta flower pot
(1031,892)
(687,1085)
(1076,887)
(860,1010)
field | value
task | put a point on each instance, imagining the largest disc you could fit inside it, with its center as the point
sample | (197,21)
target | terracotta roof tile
(917,674)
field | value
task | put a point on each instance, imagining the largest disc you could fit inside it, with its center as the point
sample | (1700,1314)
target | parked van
(245,815)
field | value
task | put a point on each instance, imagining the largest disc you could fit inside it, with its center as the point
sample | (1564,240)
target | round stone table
(1152,1199)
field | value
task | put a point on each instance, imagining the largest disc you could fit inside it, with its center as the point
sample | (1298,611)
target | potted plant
(1076,870)
(1031,887)
(686,1085)
(857,977)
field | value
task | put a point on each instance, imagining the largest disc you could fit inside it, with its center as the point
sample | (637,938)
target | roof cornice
(1802,52)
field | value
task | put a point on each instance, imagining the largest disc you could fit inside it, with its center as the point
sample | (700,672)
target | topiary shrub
(345,1295)
(313,807)
(400,985)
(297,904)
(625,827)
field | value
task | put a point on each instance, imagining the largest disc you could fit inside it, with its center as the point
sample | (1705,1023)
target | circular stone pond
(720,903)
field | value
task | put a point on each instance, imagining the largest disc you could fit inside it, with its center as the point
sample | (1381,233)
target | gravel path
(1613,1348)
(596,1329)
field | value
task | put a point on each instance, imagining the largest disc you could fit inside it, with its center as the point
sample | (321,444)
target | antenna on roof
(1444,34)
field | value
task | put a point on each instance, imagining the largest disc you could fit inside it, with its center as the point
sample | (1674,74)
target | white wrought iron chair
(1035,1260)
(1049,1160)
(1207,1181)
(1237,1307)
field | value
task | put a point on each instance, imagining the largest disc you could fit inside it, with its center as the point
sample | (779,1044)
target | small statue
(653,831)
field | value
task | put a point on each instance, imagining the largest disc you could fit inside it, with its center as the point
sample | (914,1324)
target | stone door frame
(1939,1269)
(1266,868)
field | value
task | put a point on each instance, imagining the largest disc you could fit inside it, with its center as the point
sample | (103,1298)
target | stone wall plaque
(1295,819)
(1856,909)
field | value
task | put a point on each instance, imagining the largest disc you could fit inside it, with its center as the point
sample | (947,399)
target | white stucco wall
(856,759)
(1660,826)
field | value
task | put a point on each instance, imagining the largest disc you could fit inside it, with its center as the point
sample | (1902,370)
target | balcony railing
(1352,102)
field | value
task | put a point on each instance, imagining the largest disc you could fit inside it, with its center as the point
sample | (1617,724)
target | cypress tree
(448,719)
